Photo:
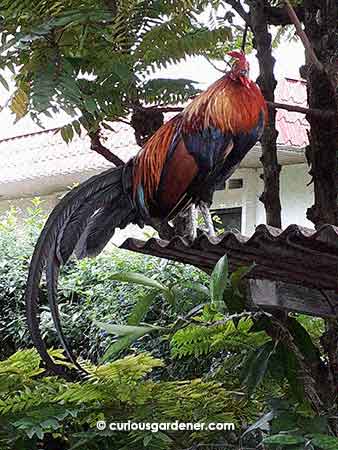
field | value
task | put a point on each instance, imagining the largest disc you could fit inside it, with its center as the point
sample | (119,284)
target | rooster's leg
(165,231)
(193,222)
(185,223)
(205,211)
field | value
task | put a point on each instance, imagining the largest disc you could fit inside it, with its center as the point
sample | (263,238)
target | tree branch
(274,15)
(99,148)
(166,109)
(301,33)
(279,16)
(294,108)
(236,5)
(311,111)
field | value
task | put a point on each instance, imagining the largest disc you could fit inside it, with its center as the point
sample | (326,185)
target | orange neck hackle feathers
(151,159)
(227,105)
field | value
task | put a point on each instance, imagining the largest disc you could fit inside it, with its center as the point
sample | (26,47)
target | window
(228,219)
(235,183)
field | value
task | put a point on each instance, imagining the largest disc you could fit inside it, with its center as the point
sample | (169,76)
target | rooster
(179,166)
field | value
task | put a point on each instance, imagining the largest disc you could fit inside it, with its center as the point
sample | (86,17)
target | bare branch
(244,37)
(301,110)
(167,109)
(214,65)
(99,148)
(301,33)
(236,5)
(294,108)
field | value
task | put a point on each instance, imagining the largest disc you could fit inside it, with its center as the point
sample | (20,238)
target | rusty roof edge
(307,257)
(322,234)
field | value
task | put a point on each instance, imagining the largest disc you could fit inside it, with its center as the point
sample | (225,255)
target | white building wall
(296,196)
(48,202)
(246,198)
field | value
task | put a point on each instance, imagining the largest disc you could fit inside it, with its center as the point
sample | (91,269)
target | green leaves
(142,280)
(324,442)
(293,441)
(127,333)
(4,82)
(295,426)
(196,339)
(131,332)
(303,340)
(65,413)
(256,366)
(81,57)
(285,440)
(67,133)
(218,282)
(141,308)
(126,330)
(167,91)
(225,289)
(138,278)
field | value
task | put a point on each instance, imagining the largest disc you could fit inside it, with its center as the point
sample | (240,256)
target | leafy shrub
(36,409)
(87,291)
(207,332)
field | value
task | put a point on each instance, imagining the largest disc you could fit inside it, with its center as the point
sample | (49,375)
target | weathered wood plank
(267,294)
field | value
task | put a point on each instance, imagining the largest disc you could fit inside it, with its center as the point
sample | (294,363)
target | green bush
(86,291)
(217,356)
(36,410)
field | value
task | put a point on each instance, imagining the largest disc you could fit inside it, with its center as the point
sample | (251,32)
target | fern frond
(197,340)
(168,43)
(167,91)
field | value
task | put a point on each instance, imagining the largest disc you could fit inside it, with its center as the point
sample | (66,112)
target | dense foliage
(95,60)
(32,407)
(88,290)
(184,348)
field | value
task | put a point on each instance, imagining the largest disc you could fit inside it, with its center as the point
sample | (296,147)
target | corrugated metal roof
(296,255)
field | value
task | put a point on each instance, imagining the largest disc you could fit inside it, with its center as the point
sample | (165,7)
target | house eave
(14,183)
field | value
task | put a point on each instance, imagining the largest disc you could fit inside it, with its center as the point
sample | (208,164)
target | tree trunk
(321,18)
(267,83)
(321,27)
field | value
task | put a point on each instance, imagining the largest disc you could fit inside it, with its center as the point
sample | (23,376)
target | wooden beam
(271,295)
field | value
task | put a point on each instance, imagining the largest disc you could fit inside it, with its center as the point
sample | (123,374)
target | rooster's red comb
(238,55)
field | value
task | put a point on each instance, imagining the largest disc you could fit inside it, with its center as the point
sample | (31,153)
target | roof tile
(292,126)
(44,154)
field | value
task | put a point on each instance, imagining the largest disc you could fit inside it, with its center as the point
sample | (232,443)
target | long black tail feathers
(83,221)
